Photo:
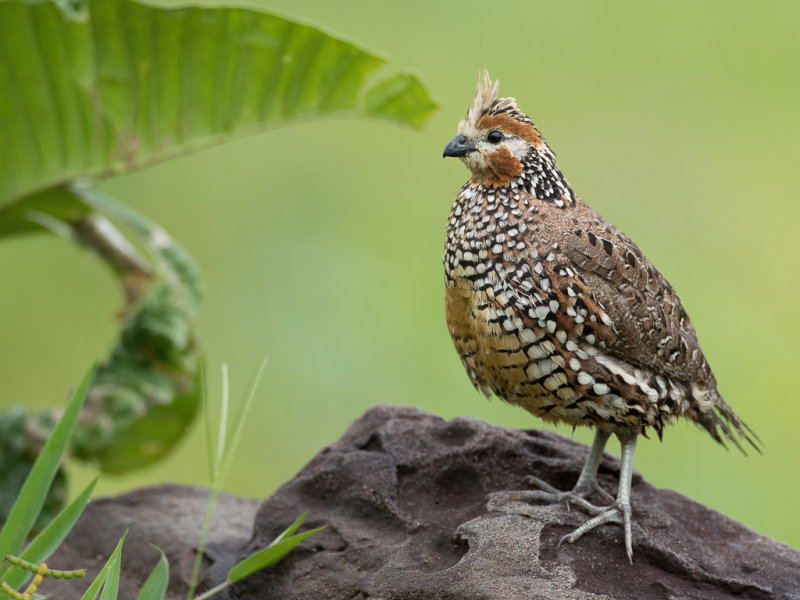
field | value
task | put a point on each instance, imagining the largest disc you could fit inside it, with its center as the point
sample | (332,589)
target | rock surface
(403,495)
(167,516)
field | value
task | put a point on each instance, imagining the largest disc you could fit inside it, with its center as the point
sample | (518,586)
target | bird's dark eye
(495,136)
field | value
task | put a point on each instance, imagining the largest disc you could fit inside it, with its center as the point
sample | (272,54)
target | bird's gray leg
(587,481)
(585,486)
(620,512)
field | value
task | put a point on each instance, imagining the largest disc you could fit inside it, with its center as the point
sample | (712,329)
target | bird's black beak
(458,146)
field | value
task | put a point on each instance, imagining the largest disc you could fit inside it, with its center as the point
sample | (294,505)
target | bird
(554,309)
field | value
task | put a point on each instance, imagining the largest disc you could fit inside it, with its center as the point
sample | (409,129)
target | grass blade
(156,585)
(101,578)
(267,556)
(241,419)
(201,545)
(51,536)
(223,430)
(111,586)
(290,529)
(206,416)
(222,459)
(34,490)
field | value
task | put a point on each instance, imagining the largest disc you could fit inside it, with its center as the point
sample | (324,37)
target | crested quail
(555,310)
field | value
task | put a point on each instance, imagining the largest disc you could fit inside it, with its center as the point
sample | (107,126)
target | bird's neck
(544,180)
(540,177)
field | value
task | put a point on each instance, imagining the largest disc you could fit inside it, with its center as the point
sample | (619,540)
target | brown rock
(403,495)
(168,516)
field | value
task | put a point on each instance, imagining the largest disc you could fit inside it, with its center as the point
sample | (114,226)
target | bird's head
(494,137)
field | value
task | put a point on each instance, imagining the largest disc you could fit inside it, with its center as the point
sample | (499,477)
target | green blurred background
(321,243)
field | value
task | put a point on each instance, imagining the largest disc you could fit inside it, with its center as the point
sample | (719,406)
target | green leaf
(156,585)
(44,544)
(290,529)
(400,98)
(22,436)
(57,203)
(267,556)
(34,490)
(104,576)
(145,394)
(116,85)
(111,585)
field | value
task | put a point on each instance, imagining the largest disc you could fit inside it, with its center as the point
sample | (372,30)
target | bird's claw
(619,513)
(577,496)
(604,494)
(532,480)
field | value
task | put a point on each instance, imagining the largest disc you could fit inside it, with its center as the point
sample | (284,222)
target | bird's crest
(487,104)
(485,97)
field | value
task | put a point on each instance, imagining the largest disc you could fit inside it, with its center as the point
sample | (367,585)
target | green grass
(29,502)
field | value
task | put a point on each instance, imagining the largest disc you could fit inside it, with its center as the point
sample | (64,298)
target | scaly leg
(585,486)
(620,512)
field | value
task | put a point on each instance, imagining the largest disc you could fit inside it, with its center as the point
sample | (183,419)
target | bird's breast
(487,232)
(490,242)
(525,329)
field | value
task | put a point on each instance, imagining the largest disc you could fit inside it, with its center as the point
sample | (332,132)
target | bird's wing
(650,327)
(587,282)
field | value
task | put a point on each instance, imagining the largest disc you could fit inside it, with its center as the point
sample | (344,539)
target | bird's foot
(578,495)
(619,513)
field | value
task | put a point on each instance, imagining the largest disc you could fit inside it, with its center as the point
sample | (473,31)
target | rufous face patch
(501,168)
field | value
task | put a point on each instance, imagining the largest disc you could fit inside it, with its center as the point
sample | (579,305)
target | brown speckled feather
(554,309)
(651,328)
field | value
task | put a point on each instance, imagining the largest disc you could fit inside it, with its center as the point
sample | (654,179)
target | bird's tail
(714,415)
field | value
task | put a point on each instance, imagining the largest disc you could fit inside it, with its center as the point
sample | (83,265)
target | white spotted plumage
(535,275)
